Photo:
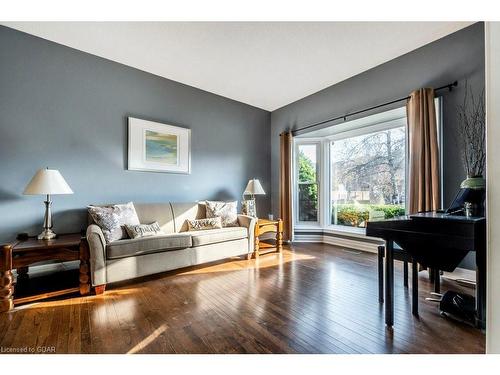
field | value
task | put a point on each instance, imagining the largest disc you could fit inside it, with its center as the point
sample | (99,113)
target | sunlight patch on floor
(264,261)
(47,304)
(148,340)
(75,300)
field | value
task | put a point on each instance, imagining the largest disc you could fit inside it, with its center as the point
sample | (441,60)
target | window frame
(323,169)
(304,142)
(356,132)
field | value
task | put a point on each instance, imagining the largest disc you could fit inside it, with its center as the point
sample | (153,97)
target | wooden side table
(265,226)
(22,254)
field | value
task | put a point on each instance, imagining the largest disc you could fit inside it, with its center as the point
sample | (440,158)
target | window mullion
(324,184)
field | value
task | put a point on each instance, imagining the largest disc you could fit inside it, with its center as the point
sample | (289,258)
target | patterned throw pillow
(227,211)
(112,219)
(143,230)
(203,224)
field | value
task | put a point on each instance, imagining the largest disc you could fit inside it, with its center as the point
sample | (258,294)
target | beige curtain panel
(286,184)
(424,186)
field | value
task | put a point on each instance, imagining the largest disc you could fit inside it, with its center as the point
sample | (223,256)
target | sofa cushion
(187,211)
(204,224)
(112,219)
(160,212)
(144,230)
(147,245)
(227,211)
(206,237)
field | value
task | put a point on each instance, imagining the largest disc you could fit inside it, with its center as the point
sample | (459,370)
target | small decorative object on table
(47,182)
(20,255)
(265,226)
(249,207)
(468,209)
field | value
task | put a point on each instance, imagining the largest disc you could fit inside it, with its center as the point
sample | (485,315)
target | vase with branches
(471,130)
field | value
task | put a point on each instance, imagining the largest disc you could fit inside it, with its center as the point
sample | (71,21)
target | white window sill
(330,228)
(303,226)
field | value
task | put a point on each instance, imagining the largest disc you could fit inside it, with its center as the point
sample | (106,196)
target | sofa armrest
(249,223)
(97,247)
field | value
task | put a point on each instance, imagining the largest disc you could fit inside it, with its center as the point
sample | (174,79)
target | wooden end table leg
(84,268)
(256,247)
(279,236)
(6,286)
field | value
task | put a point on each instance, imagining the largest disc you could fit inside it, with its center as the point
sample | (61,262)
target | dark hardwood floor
(314,298)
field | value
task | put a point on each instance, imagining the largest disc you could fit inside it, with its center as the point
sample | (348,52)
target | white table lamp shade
(47,181)
(254,188)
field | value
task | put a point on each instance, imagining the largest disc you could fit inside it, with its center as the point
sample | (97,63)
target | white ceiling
(264,64)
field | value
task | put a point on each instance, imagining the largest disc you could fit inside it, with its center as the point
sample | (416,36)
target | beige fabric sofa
(129,258)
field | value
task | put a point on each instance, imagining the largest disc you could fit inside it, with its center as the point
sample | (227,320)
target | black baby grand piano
(438,240)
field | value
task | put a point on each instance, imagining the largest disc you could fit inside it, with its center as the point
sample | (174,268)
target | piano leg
(437,281)
(414,287)
(389,283)
(381,251)
(405,273)
(481,278)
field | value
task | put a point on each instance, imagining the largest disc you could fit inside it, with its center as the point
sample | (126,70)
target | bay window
(353,172)
(367,173)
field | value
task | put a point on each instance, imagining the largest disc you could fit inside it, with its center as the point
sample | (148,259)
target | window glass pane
(307,163)
(368,177)
(308,202)
(307,182)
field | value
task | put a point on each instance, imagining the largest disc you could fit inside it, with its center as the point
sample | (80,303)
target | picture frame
(157,147)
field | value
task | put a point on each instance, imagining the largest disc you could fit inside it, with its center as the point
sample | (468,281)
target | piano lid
(445,216)
(434,239)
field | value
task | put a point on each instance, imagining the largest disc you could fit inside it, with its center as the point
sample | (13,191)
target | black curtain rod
(344,117)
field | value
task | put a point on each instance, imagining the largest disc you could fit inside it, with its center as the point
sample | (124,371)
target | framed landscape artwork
(157,147)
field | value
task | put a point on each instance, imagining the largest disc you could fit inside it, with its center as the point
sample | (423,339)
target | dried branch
(471,129)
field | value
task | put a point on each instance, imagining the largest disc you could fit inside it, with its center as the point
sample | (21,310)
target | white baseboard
(338,241)
(352,244)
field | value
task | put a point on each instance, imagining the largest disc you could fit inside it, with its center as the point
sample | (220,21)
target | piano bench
(399,254)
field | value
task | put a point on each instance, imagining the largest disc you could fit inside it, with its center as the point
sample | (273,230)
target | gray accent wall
(458,56)
(66,109)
